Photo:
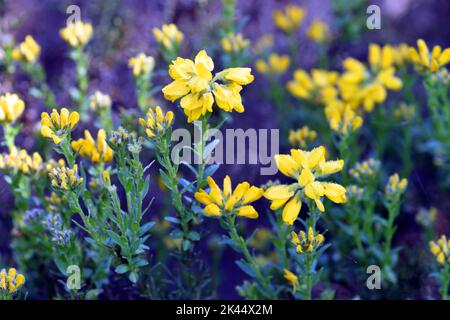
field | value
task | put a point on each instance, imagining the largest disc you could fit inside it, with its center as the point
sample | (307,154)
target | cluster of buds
(395,186)
(11,281)
(366,170)
(99,101)
(21,161)
(440,249)
(234,43)
(27,51)
(405,112)
(306,243)
(54,202)
(355,193)
(96,151)
(427,217)
(77,34)
(11,107)
(120,137)
(156,123)
(65,178)
(302,138)
(169,37)
(56,125)
(141,64)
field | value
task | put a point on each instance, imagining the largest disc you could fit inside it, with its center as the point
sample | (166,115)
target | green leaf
(121,269)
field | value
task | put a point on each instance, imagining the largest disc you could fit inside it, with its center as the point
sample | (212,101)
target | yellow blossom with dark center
(306,242)
(219,202)
(96,151)
(56,125)
(11,280)
(11,107)
(27,51)
(306,167)
(156,122)
(77,34)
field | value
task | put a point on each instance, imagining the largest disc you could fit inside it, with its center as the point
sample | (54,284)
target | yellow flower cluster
(302,137)
(77,34)
(168,36)
(20,160)
(440,249)
(195,85)
(289,19)
(141,64)
(306,243)
(95,151)
(235,43)
(56,125)
(342,118)
(395,186)
(405,112)
(99,101)
(27,51)
(305,167)
(156,122)
(402,55)
(427,61)
(318,87)
(318,31)
(228,201)
(365,170)
(276,64)
(11,107)
(65,178)
(11,280)
(292,278)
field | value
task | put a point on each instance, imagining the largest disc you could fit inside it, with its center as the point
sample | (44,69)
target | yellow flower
(401,56)
(226,201)
(425,60)
(11,107)
(306,243)
(319,86)
(168,36)
(65,178)
(99,101)
(56,125)
(195,85)
(292,278)
(156,122)
(11,281)
(302,137)
(290,19)
(381,57)
(77,34)
(141,64)
(27,51)
(88,148)
(276,64)
(440,249)
(318,31)
(20,160)
(395,186)
(342,118)
(234,43)
(305,167)
(405,112)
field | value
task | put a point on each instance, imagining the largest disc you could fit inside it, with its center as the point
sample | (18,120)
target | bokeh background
(124,28)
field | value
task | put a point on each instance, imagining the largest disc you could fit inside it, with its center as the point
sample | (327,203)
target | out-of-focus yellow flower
(302,137)
(141,64)
(306,243)
(276,64)
(427,61)
(427,217)
(226,201)
(77,34)
(11,107)
(168,36)
(354,193)
(292,278)
(234,43)
(11,281)
(342,118)
(19,159)
(56,125)
(381,57)
(263,44)
(99,101)
(318,31)
(65,178)
(365,170)
(401,56)
(440,249)
(395,186)
(156,122)
(319,87)
(195,85)
(289,19)
(405,112)
(27,51)
(306,167)
(88,148)
(261,239)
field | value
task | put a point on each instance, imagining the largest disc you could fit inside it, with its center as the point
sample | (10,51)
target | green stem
(200,152)
(445,278)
